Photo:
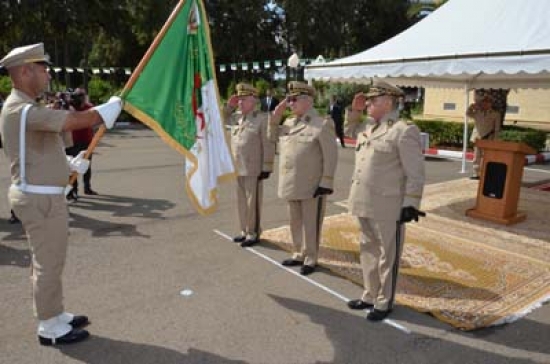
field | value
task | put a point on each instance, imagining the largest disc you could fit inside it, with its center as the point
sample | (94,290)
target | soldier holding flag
(39,172)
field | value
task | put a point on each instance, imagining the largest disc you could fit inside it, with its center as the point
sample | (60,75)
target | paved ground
(136,246)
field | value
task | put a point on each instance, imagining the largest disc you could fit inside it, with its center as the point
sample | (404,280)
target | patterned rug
(466,272)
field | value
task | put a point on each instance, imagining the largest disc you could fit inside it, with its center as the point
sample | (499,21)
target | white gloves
(78,164)
(110,110)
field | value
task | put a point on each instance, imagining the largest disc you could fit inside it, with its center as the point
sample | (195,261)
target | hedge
(451,134)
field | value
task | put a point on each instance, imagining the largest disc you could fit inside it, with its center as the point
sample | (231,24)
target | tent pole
(465,134)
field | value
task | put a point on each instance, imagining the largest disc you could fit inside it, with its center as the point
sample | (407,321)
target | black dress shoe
(378,315)
(249,242)
(89,191)
(79,321)
(291,262)
(72,337)
(307,270)
(359,305)
(239,238)
(14,219)
(72,196)
(476,178)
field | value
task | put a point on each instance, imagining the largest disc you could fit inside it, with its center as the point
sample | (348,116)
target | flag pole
(133,78)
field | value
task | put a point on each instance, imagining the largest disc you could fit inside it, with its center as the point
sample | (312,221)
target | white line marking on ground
(311,281)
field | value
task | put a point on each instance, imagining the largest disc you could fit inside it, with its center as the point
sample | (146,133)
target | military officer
(39,173)
(486,125)
(253,154)
(307,164)
(386,189)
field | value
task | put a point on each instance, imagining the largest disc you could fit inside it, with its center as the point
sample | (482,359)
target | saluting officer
(307,164)
(386,189)
(253,154)
(39,173)
(486,125)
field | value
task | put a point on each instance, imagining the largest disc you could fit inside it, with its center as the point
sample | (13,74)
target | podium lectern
(500,181)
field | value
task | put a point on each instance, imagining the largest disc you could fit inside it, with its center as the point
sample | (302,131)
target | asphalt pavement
(162,284)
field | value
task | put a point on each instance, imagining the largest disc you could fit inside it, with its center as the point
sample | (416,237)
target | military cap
(296,88)
(33,53)
(244,89)
(380,88)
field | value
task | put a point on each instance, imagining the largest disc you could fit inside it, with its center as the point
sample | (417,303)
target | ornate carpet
(467,272)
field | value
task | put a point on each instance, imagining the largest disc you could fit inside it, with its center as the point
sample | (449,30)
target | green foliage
(262,85)
(451,134)
(5,85)
(536,139)
(444,133)
(100,90)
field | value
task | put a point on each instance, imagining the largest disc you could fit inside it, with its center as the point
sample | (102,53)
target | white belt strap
(23,186)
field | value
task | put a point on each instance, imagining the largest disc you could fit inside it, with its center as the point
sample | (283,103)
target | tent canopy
(478,43)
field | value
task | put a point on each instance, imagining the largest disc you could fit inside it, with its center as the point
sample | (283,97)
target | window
(449,106)
(510,109)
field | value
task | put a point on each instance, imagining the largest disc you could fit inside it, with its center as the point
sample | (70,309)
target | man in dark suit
(268,102)
(336,113)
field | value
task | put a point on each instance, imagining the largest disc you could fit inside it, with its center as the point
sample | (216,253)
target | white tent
(482,43)
(465,43)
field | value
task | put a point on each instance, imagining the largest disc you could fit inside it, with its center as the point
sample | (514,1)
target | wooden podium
(500,181)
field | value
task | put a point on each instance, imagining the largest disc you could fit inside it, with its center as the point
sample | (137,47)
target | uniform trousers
(45,220)
(380,260)
(306,220)
(476,162)
(249,202)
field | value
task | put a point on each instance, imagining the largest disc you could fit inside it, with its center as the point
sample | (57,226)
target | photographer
(81,140)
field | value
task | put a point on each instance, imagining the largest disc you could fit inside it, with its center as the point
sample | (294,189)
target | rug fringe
(527,310)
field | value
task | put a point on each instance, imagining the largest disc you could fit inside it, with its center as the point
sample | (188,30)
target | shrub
(451,134)
(100,90)
(5,86)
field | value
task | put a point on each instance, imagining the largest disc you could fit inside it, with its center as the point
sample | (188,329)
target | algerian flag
(173,90)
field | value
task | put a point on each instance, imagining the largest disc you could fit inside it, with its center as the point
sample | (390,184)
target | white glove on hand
(110,110)
(79,164)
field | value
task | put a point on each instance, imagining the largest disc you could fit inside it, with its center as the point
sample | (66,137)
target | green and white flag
(174,91)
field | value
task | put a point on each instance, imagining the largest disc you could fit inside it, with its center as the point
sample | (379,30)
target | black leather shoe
(14,219)
(239,238)
(79,321)
(72,337)
(89,191)
(249,242)
(307,270)
(72,196)
(359,305)
(476,178)
(291,262)
(378,315)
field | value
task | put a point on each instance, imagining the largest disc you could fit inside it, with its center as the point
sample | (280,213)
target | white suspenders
(23,186)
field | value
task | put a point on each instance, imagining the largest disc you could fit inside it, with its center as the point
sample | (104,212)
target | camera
(64,100)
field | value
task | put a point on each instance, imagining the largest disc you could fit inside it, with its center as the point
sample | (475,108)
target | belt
(41,190)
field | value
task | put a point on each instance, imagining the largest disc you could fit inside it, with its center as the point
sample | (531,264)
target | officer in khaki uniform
(307,163)
(385,192)
(253,154)
(39,173)
(486,125)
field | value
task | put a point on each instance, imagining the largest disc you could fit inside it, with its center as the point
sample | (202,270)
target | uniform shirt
(252,152)
(487,124)
(46,163)
(389,170)
(308,154)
